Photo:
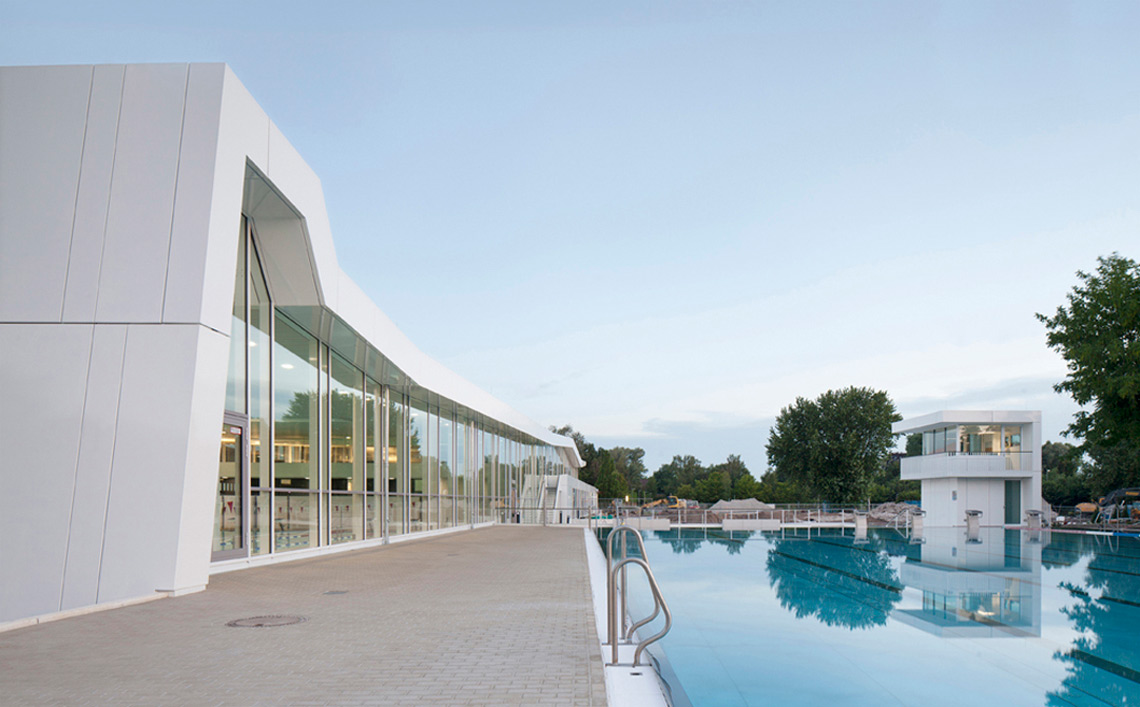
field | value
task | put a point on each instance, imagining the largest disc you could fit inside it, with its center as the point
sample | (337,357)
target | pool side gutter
(625,686)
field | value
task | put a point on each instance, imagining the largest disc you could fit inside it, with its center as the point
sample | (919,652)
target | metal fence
(790,515)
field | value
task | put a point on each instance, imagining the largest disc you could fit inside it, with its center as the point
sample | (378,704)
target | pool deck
(496,616)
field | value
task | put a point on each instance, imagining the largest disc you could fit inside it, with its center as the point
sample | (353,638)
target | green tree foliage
(887,484)
(685,477)
(1098,333)
(629,462)
(833,446)
(914,444)
(1112,467)
(610,484)
(714,487)
(682,471)
(586,450)
(1064,482)
(772,490)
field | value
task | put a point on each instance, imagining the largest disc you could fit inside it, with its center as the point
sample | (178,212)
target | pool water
(822,618)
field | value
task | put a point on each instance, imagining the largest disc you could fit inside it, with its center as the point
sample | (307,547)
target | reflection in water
(687,541)
(1102,661)
(863,585)
(985,586)
(1064,606)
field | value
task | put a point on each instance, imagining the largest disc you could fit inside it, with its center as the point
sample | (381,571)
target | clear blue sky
(662,221)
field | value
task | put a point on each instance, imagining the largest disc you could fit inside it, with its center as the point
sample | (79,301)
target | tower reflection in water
(988,585)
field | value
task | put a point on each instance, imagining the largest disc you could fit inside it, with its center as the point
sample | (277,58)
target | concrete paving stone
(493,616)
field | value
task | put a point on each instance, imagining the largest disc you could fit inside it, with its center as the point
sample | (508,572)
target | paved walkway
(496,616)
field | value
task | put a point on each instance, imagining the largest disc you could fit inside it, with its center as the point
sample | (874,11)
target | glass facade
(1004,440)
(352,459)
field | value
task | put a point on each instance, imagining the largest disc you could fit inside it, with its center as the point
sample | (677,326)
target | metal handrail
(658,600)
(611,576)
(611,595)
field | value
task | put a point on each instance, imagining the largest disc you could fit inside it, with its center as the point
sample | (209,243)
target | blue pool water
(820,618)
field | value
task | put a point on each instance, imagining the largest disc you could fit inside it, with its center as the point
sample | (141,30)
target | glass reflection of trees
(1103,661)
(834,580)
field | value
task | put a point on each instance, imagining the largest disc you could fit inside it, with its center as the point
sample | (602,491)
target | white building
(988,461)
(190,382)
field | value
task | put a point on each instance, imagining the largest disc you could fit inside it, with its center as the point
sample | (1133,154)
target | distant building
(976,460)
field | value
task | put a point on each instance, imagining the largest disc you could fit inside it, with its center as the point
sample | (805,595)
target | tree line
(838,447)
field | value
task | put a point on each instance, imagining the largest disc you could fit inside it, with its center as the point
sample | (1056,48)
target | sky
(662,222)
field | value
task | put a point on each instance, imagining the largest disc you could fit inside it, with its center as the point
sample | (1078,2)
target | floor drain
(266,621)
(337,591)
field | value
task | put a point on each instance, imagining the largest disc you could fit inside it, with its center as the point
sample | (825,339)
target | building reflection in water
(976,588)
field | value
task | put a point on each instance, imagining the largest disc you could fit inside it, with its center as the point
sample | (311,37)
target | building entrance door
(230,530)
(1012,502)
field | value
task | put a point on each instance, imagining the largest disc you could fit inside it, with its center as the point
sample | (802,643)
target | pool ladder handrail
(659,603)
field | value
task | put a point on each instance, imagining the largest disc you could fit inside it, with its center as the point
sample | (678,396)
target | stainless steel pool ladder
(625,635)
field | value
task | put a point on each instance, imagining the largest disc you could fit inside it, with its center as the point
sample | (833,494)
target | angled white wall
(121,194)
(114,373)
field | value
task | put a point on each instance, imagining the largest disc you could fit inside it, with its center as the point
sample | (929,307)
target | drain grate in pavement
(266,621)
(337,591)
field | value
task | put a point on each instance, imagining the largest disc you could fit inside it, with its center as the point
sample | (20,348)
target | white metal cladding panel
(42,116)
(93,196)
(201,462)
(132,280)
(42,378)
(140,545)
(243,131)
(189,236)
(93,472)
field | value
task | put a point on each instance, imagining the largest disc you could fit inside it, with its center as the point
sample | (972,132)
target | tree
(682,471)
(746,487)
(717,486)
(833,446)
(586,450)
(914,444)
(610,483)
(628,461)
(1098,333)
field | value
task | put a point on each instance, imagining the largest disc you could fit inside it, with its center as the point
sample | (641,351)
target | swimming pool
(822,618)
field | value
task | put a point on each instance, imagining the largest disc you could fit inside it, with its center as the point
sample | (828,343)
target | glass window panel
(396,505)
(446,511)
(446,428)
(396,478)
(235,379)
(417,446)
(459,467)
(260,524)
(372,411)
(260,317)
(433,451)
(296,404)
(347,427)
(346,517)
(990,436)
(373,515)
(294,520)
(1011,438)
(417,513)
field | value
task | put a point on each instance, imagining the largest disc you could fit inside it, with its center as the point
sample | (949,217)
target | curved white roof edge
(283,166)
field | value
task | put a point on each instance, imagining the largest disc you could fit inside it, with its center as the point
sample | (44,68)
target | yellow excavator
(667,502)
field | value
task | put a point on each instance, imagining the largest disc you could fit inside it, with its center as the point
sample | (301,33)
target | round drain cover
(266,621)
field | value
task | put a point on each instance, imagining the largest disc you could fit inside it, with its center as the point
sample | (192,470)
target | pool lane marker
(1108,665)
(852,575)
